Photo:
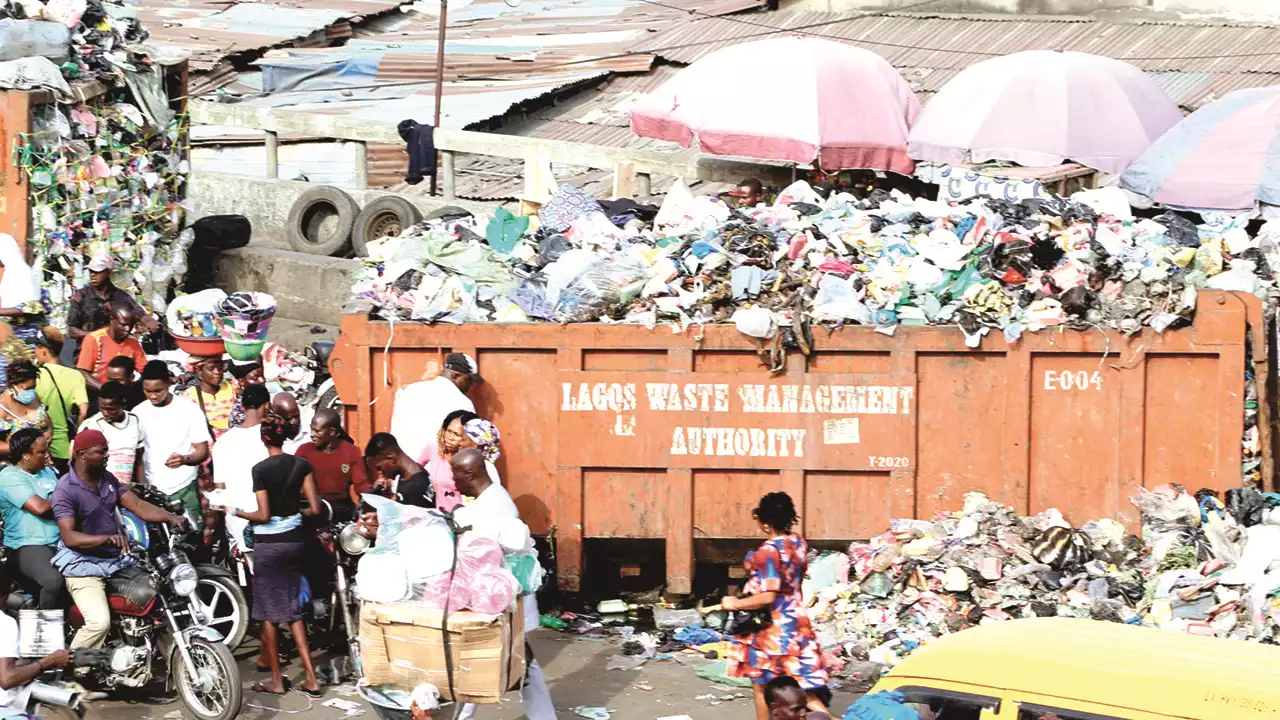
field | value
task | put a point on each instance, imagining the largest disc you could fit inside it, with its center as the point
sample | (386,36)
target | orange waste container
(616,431)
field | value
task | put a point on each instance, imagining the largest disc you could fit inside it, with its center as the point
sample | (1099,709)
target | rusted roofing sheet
(212,30)
(930,48)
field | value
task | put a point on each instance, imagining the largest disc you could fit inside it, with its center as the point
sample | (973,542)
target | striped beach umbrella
(1224,156)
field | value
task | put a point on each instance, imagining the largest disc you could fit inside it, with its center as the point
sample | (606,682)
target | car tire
(320,221)
(386,215)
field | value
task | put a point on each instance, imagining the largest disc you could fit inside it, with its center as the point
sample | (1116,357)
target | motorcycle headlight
(183,578)
(351,541)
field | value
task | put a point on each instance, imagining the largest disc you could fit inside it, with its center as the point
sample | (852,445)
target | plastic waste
(672,618)
(550,621)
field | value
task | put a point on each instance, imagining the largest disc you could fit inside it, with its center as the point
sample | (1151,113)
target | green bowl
(249,350)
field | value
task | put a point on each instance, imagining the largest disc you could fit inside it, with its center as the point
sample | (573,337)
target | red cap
(86,439)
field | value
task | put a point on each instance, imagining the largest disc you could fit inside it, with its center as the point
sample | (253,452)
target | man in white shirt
(175,436)
(234,455)
(16,680)
(472,479)
(420,408)
(123,431)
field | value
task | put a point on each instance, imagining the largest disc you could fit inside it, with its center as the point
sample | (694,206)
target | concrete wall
(308,288)
(266,202)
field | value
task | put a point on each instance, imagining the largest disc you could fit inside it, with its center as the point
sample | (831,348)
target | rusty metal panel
(622,432)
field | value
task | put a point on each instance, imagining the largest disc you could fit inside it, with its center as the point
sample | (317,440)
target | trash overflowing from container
(1203,565)
(886,260)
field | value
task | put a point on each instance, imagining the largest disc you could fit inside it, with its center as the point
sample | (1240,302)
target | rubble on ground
(885,260)
(1201,566)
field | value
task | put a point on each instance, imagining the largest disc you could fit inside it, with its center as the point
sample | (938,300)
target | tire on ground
(386,215)
(320,221)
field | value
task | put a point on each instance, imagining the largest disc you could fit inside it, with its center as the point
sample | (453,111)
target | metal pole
(444,20)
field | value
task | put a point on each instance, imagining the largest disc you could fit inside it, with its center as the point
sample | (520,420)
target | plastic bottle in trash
(550,621)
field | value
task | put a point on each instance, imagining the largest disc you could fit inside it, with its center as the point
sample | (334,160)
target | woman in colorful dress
(788,646)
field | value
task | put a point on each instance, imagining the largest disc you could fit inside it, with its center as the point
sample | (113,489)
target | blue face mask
(25,396)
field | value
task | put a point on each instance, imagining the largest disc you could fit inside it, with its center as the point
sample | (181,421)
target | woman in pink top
(436,457)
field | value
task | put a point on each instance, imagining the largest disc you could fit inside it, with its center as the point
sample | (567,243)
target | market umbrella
(1044,107)
(1221,157)
(802,99)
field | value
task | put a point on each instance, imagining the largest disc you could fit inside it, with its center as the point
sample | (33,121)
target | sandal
(261,686)
(318,693)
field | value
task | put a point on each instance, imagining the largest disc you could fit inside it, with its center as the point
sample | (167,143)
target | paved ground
(575,670)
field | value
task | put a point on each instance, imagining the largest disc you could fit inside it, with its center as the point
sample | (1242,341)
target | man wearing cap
(420,408)
(102,346)
(63,393)
(85,505)
(91,305)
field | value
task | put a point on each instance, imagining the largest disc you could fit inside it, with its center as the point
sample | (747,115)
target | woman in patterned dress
(788,646)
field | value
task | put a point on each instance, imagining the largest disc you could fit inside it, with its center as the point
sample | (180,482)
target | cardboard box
(403,646)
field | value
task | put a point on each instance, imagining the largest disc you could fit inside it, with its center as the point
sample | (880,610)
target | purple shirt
(93,510)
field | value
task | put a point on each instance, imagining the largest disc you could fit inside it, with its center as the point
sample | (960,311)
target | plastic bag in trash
(600,290)
(756,322)
(672,618)
(1245,505)
(1179,229)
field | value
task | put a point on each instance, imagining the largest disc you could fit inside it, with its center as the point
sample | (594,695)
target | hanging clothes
(420,143)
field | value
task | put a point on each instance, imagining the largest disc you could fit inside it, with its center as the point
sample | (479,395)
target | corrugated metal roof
(211,30)
(929,48)
(481,34)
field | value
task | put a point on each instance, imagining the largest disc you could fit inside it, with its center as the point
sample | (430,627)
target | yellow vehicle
(1069,669)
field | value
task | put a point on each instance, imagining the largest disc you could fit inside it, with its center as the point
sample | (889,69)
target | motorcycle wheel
(328,395)
(224,603)
(217,694)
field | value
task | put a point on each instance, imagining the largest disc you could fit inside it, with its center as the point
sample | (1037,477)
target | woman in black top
(280,483)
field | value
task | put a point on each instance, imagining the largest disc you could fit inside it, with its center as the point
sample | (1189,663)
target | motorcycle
(157,632)
(223,605)
(345,544)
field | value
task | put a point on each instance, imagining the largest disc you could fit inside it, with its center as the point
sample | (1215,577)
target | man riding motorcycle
(92,547)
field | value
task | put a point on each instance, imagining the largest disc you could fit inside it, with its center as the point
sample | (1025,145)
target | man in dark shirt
(91,305)
(414,486)
(336,464)
(85,504)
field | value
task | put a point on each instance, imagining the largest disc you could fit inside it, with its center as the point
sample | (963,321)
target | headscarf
(486,437)
(18,285)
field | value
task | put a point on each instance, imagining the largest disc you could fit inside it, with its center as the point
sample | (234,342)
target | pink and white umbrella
(1222,157)
(1044,107)
(804,100)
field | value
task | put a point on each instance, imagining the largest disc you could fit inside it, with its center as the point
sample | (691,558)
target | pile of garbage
(884,260)
(104,39)
(1202,565)
(107,179)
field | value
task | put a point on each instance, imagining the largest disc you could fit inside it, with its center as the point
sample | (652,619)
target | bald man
(336,463)
(286,406)
(471,476)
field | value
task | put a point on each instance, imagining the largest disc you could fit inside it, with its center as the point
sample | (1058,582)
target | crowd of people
(75,441)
